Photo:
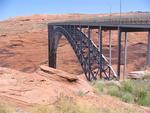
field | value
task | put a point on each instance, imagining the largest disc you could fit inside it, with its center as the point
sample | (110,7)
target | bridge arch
(85,50)
(66,58)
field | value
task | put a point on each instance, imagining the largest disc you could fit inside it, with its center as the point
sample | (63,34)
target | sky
(12,8)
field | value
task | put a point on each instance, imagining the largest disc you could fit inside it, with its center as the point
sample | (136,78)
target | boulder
(57,74)
(136,75)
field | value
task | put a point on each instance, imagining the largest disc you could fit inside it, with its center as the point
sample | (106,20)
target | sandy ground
(39,88)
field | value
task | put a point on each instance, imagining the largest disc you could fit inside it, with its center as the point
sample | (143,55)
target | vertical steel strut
(148,49)
(100,49)
(110,48)
(51,49)
(125,54)
(119,53)
(89,60)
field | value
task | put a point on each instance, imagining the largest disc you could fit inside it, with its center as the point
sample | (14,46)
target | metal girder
(125,54)
(119,52)
(148,50)
(51,51)
(110,47)
(100,49)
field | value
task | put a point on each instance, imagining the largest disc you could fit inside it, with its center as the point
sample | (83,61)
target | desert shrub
(130,91)
(93,82)
(127,97)
(6,109)
(66,104)
(99,87)
(147,88)
(80,93)
(144,101)
(147,76)
(40,109)
(87,108)
(142,93)
(127,86)
(143,97)
(114,91)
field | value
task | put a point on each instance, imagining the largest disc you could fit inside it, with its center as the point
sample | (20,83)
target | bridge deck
(139,21)
(106,25)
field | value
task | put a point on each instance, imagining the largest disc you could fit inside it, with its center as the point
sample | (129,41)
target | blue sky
(11,8)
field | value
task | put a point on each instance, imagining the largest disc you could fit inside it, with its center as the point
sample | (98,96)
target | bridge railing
(139,18)
(114,19)
(133,18)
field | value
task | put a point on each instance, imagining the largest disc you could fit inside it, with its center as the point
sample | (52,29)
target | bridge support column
(51,52)
(119,53)
(110,47)
(125,54)
(74,31)
(89,61)
(91,36)
(81,44)
(148,50)
(100,48)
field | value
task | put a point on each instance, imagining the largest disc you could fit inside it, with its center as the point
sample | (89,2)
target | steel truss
(94,64)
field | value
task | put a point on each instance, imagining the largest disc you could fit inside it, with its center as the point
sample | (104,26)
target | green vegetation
(127,86)
(41,109)
(98,86)
(80,93)
(65,104)
(130,91)
(144,101)
(6,109)
(147,76)
(128,97)
(113,91)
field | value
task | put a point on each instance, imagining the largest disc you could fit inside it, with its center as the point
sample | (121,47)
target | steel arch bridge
(93,62)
